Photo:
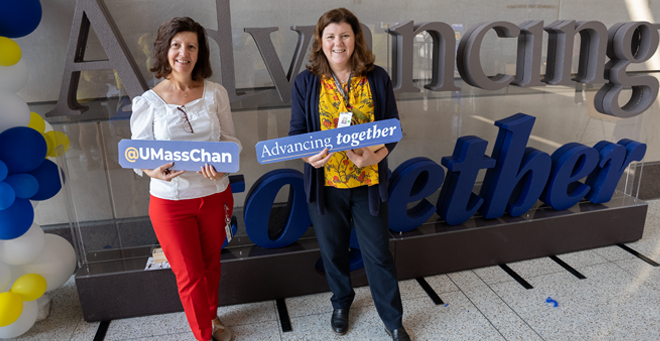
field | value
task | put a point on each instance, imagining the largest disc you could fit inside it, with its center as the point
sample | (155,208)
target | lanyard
(341,90)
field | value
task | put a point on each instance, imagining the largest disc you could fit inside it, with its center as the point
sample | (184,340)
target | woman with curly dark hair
(188,210)
(348,188)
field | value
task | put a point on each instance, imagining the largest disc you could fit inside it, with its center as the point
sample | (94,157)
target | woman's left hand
(368,157)
(209,172)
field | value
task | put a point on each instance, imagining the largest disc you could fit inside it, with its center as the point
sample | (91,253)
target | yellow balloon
(59,139)
(49,143)
(10,52)
(29,287)
(36,122)
(11,307)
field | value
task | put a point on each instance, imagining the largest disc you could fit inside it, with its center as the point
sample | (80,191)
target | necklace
(347,77)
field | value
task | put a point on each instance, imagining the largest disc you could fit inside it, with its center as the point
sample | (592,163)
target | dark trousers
(333,232)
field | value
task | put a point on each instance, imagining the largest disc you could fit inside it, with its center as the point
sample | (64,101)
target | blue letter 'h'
(520,175)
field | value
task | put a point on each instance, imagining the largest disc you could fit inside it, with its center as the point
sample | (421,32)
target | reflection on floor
(618,300)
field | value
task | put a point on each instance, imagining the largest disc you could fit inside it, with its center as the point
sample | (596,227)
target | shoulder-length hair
(362,59)
(166,32)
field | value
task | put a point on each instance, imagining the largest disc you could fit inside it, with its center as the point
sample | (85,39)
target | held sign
(186,155)
(336,140)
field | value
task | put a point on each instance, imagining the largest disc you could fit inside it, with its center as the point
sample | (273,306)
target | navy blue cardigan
(305,118)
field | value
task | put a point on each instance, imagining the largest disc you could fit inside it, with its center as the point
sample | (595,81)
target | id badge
(228,225)
(228,231)
(344,119)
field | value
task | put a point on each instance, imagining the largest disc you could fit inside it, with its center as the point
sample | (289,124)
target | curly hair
(166,32)
(362,59)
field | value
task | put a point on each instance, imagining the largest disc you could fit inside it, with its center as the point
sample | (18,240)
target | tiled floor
(618,300)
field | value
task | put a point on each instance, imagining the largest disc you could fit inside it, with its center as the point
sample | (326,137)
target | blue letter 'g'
(260,199)
(413,180)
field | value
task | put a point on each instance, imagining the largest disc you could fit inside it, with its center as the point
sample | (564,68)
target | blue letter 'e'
(413,180)
(570,163)
(456,202)
(260,199)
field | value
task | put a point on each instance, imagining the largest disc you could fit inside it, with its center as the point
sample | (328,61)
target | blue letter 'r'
(614,158)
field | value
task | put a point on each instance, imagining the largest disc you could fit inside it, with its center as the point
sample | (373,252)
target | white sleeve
(142,120)
(227,132)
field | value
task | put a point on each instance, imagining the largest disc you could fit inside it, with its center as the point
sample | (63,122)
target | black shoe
(398,334)
(339,321)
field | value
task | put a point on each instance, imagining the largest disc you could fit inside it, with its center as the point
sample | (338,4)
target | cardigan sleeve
(303,103)
(389,101)
(298,123)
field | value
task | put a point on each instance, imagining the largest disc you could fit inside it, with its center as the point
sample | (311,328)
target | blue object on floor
(550,300)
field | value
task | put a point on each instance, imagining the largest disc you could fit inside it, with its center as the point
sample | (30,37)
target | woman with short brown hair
(188,210)
(166,32)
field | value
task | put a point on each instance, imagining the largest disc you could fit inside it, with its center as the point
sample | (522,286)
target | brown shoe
(220,332)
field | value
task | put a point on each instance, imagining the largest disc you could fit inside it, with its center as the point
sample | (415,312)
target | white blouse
(210,118)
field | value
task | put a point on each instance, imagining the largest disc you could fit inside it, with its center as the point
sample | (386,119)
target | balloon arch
(31,262)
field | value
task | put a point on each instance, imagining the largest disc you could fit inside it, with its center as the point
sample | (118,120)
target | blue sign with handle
(336,140)
(186,155)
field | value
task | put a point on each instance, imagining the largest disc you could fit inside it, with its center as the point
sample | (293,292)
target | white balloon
(16,271)
(24,322)
(35,203)
(24,249)
(5,277)
(14,112)
(48,127)
(56,262)
(13,78)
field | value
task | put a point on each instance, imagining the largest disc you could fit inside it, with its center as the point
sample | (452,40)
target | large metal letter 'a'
(94,13)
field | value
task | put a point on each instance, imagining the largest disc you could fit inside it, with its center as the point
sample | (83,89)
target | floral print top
(340,172)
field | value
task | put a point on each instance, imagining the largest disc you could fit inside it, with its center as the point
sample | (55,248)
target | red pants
(191,233)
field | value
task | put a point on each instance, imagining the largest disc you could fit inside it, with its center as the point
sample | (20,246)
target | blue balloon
(16,220)
(49,180)
(25,185)
(23,149)
(19,18)
(3,170)
(7,196)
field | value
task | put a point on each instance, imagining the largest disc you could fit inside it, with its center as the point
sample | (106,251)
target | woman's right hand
(163,173)
(319,160)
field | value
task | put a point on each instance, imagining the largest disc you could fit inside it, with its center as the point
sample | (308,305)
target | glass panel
(111,203)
